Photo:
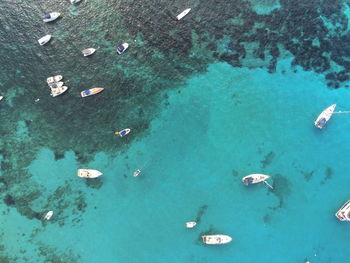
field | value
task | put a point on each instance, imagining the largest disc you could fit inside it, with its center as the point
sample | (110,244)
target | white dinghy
(183,14)
(216,239)
(191,224)
(89,173)
(51,17)
(42,41)
(324,117)
(88,51)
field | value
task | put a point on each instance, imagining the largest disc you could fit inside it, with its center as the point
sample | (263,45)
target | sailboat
(216,239)
(256,178)
(324,117)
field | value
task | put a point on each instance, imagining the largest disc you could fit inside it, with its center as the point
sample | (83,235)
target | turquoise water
(232,89)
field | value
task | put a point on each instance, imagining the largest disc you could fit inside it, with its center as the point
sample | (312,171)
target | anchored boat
(48,215)
(324,117)
(89,173)
(191,224)
(183,14)
(137,172)
(216,239)
(51,16)
(121,49)
(88,51)
(74,1)
(56,78)
(344,212)
(42,41)
(58,91)
(122,132)
(56,85)
(89,92)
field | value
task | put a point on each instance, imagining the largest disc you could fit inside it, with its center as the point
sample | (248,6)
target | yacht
(53,79)
(88,51)
(51,16)
(56,85)
(121,49)
(122,132)
(344,212)
(324,117)
(254,178)
(89,173)
(183,14)
(216,239)
(89,92)
(42,41)
(58,91)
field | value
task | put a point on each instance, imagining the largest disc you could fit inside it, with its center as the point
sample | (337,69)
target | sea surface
(232,89)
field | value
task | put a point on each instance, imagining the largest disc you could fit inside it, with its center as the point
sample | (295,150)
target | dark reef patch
(267,159)
(328,175)
(94,183)
(281,188)
(307,175)
(200,213)
(59,155)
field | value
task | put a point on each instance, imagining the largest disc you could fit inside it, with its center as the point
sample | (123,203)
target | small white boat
(42,41)
(216,239)
(191,224)
(122,132)
(89,173)
(88,51)
(183,13)
(1,97)
(58,91)
(48,215)
(89,92)
(56,84)
(121,49)
(51,16)
(254,178)
(324,117)
(344,212)
(56,78)
(137,172)
(74,1)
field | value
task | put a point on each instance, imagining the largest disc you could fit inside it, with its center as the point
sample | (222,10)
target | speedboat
(216,239)
(191,224)
(88,173)
(183,13)
(344,212)
(254,178)
(122,132)
(48,215)
(58,91)
(56,78)
(56,85)
(122,48)
(90,92)
(42,41)
(51,16)
(324,117)
(74,1)
(137,172)
(88,51)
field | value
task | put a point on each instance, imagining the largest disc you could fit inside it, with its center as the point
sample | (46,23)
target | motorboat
(191,224)
(51,16)
(48,215)
(56,85)
(216,239)
(183,14)
(58,91)
(88,173)
(90,92)
(74,1)
(122,132)
(42,41)
(121,49)
(344,212)
(53,79)
(137,172)
(88,51)
(324,117)
(254,178)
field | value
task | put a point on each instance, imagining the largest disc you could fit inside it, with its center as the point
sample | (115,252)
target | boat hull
(324,117)
(89,173)
(254,178)
(42,41)
(216,239)
(54,79)
(191,224)
(90,92)
(58,91)
(343,213)
(53,16)
(183,14)
(121,49)
(88,52)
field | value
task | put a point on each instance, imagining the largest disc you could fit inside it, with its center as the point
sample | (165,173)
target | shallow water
(198,124)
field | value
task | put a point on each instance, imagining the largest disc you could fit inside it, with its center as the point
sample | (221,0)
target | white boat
(88,51)
(216,239)
(191,224)
(58,91)
(74,1)
(51,16)
(254,178)
(89,92)
(122,132)
(122,48)
(53,79)
(42,41)
(324,117)
(48,215)
(56,85)
(137,172)
(183,13)
(344,212)
(1,97)
(89,173)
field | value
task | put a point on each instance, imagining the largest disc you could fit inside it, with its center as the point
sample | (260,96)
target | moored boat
(53,79)
(42,41)
(324,117)
(254,178)
(343,213)
(121,49)
(51,16)
(137,172)
(48,215)
(88,51)
(122,132)
(183,14)
(90,92)
(88,173)
(56,84)
(58,91)
(1,97)
(216,239)
(74,1)
(191,224)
